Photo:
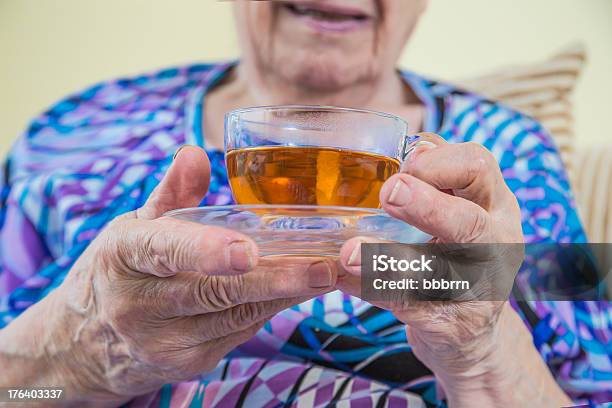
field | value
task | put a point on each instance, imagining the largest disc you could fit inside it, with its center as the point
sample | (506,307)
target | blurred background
(49,48)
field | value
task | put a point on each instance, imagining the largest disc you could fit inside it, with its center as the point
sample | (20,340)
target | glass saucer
(305,230)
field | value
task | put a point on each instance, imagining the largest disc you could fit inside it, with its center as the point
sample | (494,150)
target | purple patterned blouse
(99,153)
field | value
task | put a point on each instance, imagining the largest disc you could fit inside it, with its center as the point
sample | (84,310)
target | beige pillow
(542,90)
(593,181)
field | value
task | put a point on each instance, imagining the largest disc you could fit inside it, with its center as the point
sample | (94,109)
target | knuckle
(236,319)
(480,159)
(156,251)
(110,248)
(202,289)
(160,248)
(483,176)
(475,149)
(146,250)
(109,238)
(115,243)
(236,289)
(220,292)
(214,241)
(247,313)
(475,169)
(146,253)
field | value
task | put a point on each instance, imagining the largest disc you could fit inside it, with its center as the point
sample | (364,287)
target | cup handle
(407,145)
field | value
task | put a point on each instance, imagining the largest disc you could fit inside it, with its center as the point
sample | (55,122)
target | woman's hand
(457,194)
(153,300)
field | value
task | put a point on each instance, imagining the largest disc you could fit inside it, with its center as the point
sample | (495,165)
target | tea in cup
(311,155)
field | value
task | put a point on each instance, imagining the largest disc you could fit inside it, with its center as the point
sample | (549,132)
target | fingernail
(355,258)
(400,194)
(319,275)
(417,148)
(241,256)
(178,150)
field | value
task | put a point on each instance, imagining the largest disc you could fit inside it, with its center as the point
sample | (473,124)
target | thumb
(350,253)
(184,185)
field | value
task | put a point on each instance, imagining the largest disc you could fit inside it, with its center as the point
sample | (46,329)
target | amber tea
(308,176)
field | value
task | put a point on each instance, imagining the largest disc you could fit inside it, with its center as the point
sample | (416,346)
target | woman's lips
(326,17)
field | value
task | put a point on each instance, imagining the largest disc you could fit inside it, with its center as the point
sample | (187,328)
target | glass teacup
(307,178)
(311,155)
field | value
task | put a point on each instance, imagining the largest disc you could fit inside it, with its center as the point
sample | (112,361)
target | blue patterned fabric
(100,152)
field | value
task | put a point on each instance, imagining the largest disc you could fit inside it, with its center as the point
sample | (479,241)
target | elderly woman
(103,296)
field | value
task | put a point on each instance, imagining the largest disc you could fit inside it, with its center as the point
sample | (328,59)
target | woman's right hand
(153,300)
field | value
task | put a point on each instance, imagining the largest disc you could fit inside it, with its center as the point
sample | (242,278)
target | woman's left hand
(456,193)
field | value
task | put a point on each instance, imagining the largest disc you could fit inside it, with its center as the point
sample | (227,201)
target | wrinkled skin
(457,194)
(285,52)
(155,300)
(107,337)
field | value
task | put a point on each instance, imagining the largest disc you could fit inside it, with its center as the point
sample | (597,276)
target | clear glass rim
(319,108)
(320,210)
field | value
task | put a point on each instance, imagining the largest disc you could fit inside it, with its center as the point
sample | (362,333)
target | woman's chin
(326,75)
(321,81)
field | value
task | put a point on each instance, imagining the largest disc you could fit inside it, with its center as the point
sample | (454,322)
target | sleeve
(22,248)
(574,337)
(51,182)
(88,158)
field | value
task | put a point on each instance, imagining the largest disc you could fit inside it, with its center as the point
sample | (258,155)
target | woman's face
(324,45)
